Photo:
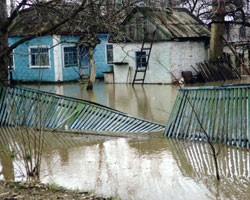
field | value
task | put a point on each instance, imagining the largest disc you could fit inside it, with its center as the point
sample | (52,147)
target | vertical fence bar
(244,120)
(219,122)
(27,107)
(235,126)
(240,118)
(248,117)
(223,112)
(231,117)
(226,116)
(170,129)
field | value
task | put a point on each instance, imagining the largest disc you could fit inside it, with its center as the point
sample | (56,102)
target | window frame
(30,57)
(77,56)
(136,58)
(108,61)
(11,62)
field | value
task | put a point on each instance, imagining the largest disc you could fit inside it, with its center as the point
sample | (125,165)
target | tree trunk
(4,60)
(216,42)
(4,57)
(217,29)
(215,160)
(92,68)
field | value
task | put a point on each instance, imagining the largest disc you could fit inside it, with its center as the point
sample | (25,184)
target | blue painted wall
(22,70)
(100,56)
(73,72)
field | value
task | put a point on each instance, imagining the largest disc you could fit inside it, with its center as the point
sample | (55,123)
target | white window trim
(70,45)
(39,66)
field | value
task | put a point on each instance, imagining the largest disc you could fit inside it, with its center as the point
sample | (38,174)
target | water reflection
(152,102)
(14,142)
(143,168)
(233,166)
(149,168)
(114,168)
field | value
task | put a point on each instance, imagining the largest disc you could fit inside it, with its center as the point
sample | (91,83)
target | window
(39,57)
(242,32)
(11,61)
(70,56)
(109,50)
(141,60)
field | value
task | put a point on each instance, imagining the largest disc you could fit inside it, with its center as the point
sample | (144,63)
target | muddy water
(133,168)
(152,102)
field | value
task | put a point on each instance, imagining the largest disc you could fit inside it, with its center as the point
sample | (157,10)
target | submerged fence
(32,108)
(221,112)
(194,159)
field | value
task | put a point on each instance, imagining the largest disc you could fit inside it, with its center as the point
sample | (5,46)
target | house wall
(57,58)
(166,62)
(100,56)
(236,33)
(73,72)
(238,36)
(56,70)
(22,70)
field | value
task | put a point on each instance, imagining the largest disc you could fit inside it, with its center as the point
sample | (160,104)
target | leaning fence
(21,106)
(220,113)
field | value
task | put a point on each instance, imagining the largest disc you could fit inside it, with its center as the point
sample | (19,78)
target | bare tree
(217,28)
(219,13)
(102,16)
(8,21)
(53,16)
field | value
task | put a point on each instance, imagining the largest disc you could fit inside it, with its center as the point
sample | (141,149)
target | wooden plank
(218,70)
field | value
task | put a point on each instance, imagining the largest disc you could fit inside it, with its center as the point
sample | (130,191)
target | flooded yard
(152,102)
(140,167)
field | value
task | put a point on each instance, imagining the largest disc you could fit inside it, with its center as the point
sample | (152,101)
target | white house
(238,37)
(180,40)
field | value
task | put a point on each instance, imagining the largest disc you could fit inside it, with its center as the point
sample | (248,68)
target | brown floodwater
(152,102)
(131,167)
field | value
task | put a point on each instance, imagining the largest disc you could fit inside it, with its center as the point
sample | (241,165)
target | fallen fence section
(221,114)
(32,108)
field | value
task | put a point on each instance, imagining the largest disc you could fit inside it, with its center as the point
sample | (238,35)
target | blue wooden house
(55,57)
